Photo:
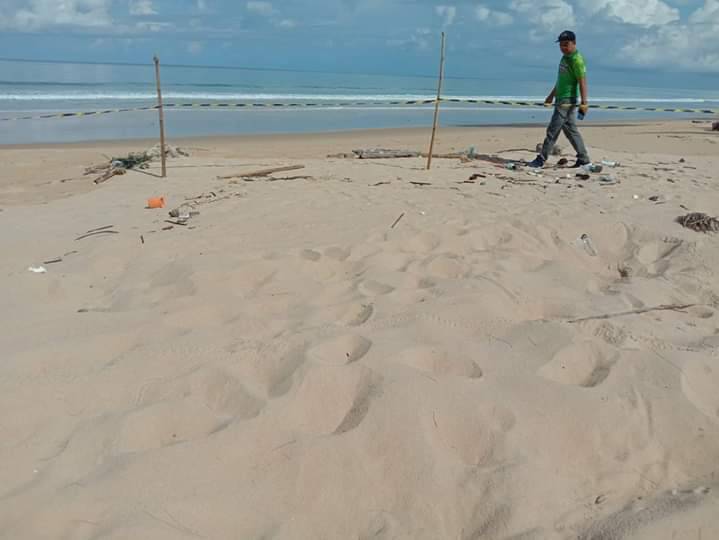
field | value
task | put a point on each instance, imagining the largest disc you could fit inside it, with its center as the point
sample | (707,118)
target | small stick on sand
(397,221)
(671,307)
(262,172)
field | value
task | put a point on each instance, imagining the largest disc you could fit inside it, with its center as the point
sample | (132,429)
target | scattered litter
(608,180)
(699,222)
(477,175)
(380,184)
(183,212)
(588,246)
(682,160)
(142,239)
(37,270)
(177,222)
(610,164)
(512,166)
(582,176)
(385,153)
(535,172)
(592,168)
(53,261)
(636,197)
(415,183)
(155,202)
(169,228)
(562,162)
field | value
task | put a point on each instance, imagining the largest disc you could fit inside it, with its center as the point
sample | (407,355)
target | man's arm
(550,97)
(584,91)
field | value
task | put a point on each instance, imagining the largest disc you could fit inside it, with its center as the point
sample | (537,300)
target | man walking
(571,85)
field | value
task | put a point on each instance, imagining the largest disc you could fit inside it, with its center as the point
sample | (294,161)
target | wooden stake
(436,105)
(262,172)
(162,118)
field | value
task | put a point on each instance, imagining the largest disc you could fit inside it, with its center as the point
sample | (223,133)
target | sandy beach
(362,349)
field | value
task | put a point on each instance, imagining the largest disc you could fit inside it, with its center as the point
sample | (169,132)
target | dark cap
(567,35)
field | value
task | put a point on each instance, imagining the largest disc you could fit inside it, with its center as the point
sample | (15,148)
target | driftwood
(385,153)
(262,172)
(95,234)
(109,174)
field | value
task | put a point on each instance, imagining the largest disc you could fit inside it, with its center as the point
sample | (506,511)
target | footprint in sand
(437,362)
(167,423)
(269,370)
(356,315)
(585,364)
(340,351)
(334,399)
(374,288)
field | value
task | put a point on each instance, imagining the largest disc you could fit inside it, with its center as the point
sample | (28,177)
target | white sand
(288,366)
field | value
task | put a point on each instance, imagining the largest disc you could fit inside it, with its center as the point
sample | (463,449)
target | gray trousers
(564,120)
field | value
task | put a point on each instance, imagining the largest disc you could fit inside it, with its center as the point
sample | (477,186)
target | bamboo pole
(162,117)
(436,105)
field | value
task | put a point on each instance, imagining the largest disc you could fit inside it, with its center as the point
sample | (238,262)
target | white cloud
(287,23)
(142,7)
(448,13)
(647,13)
(195,47)
(201,5)
(551,16)
(261,8)
(691,46)
(44,13)
(489,16)
(709,13)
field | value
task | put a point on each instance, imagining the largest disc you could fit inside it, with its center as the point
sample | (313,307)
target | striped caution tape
(222,106)
(240,105)
(600,107)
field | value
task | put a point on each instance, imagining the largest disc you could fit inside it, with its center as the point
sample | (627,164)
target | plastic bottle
(610,163)
(511,166)
(592,168)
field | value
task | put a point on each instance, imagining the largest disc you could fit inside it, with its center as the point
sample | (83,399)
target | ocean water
(36,88)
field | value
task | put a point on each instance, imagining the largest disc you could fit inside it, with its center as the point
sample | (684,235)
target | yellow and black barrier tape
(320,104)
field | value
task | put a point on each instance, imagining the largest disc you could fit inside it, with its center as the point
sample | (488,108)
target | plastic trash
(608,180)
(588,246)
(592,168)
(610,164)
(511,166)
(156,202)
(37,270)
(472,152)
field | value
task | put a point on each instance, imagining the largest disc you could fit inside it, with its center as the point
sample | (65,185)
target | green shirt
(571,69)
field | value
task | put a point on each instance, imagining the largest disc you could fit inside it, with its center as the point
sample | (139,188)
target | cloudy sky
(637,38)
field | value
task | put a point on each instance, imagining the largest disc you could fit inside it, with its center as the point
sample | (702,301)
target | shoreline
(347,133)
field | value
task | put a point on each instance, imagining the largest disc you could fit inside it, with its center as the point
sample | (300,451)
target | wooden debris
(97,233)
(415,183)
(380,184)
(100,228)
(385,153)
(112,171)
(477,175)
(53,261)
(699,222)
(397,221)
(666,307)
(262,172)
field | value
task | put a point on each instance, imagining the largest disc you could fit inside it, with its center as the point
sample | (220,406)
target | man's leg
(553,130)
(571,131)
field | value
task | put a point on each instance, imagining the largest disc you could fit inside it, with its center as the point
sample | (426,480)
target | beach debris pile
(134,160)
(699,222)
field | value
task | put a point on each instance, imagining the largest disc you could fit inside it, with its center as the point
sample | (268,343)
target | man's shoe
(579,163)
(538,163)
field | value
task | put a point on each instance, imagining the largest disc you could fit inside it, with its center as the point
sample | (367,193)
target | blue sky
(640,38)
